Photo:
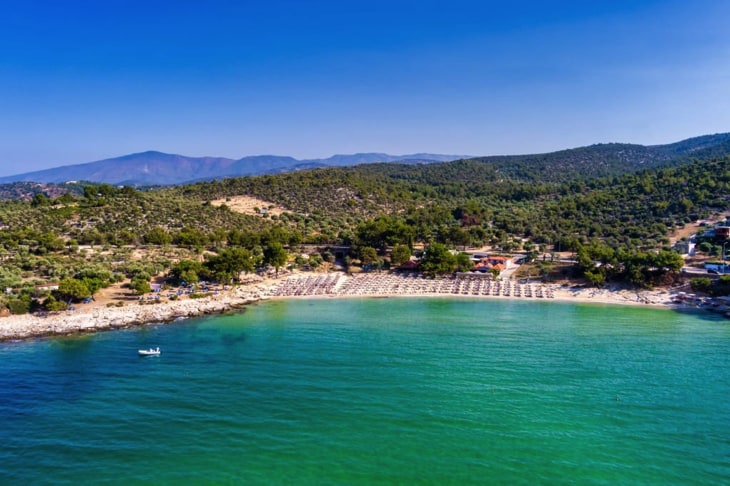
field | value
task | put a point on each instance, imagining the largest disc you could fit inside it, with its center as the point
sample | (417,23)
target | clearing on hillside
(249,205)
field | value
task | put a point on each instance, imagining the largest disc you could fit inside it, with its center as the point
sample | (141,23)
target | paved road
(700,271)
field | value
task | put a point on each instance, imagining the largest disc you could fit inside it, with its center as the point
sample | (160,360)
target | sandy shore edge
(332,285)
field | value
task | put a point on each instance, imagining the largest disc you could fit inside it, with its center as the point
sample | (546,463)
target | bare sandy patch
(248,205)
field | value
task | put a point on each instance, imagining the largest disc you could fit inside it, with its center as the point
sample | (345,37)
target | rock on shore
(102,318)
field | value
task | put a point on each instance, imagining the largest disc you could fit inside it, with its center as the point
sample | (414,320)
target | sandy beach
(91,318)
(393,285)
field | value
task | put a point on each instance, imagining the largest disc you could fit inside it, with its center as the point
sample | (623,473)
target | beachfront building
(491,263)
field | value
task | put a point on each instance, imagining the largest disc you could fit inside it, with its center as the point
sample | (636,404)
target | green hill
(620,219)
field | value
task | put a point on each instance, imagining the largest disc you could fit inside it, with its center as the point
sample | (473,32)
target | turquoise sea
(376,391)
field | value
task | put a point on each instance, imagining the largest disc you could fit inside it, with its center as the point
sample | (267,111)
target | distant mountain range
(600,160)
(157,168)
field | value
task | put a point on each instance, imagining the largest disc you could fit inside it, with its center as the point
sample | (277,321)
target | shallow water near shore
(343,391)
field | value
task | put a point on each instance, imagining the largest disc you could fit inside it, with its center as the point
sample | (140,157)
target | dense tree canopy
(275,255)
(229,263)
(437,259)
(400,254)
(73,289)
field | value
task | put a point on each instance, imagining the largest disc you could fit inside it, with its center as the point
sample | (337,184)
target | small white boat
(149,352)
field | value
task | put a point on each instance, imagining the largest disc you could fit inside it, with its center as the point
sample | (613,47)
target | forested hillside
(25,191)
(635,210)
(607,160)
(465,199)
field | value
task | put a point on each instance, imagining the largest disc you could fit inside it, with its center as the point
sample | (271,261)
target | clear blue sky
(86,80)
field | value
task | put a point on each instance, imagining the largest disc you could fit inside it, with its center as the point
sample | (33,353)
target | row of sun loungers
(394,284)
(309,285)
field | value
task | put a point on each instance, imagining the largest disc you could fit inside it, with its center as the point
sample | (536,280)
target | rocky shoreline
(107,318)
